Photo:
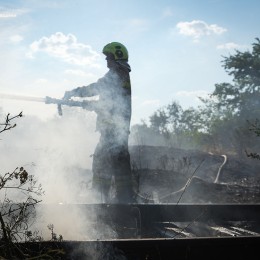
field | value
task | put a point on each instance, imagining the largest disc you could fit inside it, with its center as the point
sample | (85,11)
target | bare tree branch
(7,125)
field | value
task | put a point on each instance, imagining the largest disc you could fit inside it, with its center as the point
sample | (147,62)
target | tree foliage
(255,128)
(220,123)
(243,96)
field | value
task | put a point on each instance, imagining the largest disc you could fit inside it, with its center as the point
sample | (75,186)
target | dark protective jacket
(114,105)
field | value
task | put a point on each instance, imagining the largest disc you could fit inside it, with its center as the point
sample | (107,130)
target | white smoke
(68,140)
(58,153)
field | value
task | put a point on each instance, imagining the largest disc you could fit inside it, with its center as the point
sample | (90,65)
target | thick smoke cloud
(58,153)
(62,141)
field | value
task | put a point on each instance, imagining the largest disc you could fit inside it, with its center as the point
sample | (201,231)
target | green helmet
(118,50)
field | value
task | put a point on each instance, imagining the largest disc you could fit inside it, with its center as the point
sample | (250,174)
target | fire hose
(88,105)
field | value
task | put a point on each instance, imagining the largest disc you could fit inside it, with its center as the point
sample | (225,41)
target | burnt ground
(170,175)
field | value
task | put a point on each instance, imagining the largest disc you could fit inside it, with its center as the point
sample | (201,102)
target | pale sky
(175,47)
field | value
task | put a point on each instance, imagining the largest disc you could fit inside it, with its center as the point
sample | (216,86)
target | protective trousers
(112,159)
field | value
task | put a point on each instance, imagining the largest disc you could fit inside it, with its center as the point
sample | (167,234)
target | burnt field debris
(186,200)
(181,211)
(184,231)
(169,173)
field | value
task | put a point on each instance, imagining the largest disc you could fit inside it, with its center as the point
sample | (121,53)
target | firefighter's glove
(48,100)
(68,95)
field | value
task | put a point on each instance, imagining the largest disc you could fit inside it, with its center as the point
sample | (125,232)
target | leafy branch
(17,210)
(255,128)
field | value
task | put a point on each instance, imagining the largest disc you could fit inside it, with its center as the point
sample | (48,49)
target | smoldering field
(58,152)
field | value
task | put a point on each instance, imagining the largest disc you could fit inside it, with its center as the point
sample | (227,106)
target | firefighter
(111,156)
